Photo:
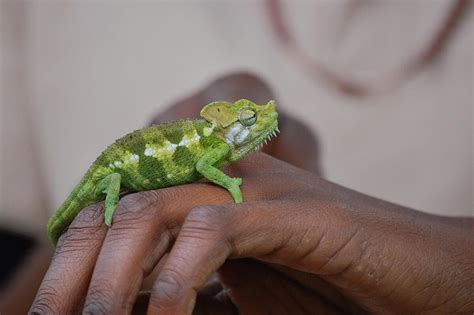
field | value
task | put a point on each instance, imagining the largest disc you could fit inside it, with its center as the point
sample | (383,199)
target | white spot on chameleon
(118,163)
(233,132)
(111,165)
(172,146)
(162,151)
(169,175)
(187,140)
(134,157)
(242,135)
(149,152)
(237,134)
(184,142)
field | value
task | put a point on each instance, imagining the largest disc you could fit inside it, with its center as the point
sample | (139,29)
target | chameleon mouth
(266,137)
(257,143)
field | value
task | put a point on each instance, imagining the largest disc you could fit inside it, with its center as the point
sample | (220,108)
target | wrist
(407,260)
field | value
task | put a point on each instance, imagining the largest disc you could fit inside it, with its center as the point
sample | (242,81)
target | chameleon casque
(171,154)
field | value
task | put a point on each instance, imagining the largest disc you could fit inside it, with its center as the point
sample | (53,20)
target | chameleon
(169,154)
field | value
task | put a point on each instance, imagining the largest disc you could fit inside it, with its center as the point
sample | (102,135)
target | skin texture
(172,154)
(299,245)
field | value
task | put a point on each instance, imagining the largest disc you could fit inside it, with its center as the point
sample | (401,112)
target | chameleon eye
(247,117)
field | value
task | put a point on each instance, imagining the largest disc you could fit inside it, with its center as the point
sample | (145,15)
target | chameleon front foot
(110,186)
(235,191)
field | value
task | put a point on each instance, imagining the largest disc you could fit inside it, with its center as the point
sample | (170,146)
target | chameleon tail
(83,195)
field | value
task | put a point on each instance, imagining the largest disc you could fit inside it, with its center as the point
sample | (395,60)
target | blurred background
(385,86)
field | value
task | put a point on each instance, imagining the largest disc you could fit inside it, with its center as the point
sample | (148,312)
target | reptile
(170,154)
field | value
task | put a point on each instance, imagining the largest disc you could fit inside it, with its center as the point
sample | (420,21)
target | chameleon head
(244,125)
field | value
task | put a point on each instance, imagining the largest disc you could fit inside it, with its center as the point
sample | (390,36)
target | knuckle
(89,216)
(45,302)
(137,207)
(209,223)
(86,226)
(95,307)
(137,201)
(97,302)
(70,244)
(169,194)
(79,233)
(148,205)
(209,216)
(168,288)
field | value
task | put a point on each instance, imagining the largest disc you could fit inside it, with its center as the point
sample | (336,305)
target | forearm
(405,257)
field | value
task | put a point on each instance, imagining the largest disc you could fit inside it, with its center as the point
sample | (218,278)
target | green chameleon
(171,154)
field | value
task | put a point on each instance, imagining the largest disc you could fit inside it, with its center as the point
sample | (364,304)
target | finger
(72,265)
(198,244)
(316,284)
(136,241)
(256,288)
(145,225)
(277,232)
(149,280)
(211,300)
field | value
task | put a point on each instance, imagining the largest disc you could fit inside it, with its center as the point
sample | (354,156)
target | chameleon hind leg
(205,167)
(110,186)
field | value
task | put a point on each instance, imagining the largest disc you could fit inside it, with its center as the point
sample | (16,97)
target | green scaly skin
(171,154)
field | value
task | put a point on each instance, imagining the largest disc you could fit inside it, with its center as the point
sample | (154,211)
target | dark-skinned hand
(298,245)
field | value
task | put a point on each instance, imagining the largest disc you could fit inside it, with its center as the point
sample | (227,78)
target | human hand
(298,244)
